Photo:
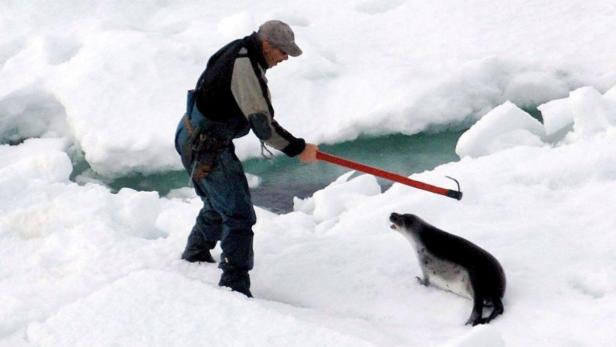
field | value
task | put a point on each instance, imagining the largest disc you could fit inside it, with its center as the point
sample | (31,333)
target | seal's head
(403,222)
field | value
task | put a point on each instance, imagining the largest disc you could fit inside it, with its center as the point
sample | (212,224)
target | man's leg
(228,193)
(204,234)
(207,228)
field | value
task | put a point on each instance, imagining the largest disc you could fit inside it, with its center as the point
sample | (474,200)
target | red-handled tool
(390,176)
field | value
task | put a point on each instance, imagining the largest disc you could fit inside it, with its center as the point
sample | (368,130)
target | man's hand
(309,155)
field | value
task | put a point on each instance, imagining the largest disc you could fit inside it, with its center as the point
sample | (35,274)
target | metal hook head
(458,194)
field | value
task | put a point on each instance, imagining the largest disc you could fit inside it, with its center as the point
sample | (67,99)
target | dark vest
(214,98)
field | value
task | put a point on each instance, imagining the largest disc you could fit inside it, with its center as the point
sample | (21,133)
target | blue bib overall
(227,214)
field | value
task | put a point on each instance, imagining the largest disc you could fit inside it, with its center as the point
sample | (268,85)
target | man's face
(273,55)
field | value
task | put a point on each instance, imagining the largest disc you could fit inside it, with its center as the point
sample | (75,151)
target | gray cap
(280,35)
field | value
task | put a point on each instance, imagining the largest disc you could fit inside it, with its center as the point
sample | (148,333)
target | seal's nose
(394,217)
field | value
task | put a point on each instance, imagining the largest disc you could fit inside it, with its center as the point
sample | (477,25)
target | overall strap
(187,125)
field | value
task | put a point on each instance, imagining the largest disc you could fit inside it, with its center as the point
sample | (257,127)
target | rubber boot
(193,255)
(238,281)
(204,256)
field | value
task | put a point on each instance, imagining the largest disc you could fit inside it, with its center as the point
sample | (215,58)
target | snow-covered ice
(114,74)
(82,266)
(504,127)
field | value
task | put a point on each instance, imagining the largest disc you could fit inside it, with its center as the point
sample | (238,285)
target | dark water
(283,178)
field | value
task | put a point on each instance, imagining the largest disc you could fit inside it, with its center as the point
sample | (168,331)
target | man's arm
(250,97)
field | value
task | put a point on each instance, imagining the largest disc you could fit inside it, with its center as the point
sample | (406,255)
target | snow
(340,195)
(586,111)
(31,113)
(557,116)
(117,72)
(159,298)
(504,127)
(592,112)
(82,266)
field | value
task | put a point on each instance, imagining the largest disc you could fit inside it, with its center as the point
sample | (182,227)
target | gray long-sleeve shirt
(250,97)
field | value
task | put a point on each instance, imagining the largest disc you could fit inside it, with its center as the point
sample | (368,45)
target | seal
(454,264)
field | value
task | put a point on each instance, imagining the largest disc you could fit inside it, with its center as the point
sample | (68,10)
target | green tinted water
(283,178)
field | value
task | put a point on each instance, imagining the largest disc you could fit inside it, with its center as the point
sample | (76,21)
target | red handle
(388,175)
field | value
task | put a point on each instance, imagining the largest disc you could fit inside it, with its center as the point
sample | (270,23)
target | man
(232,97)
